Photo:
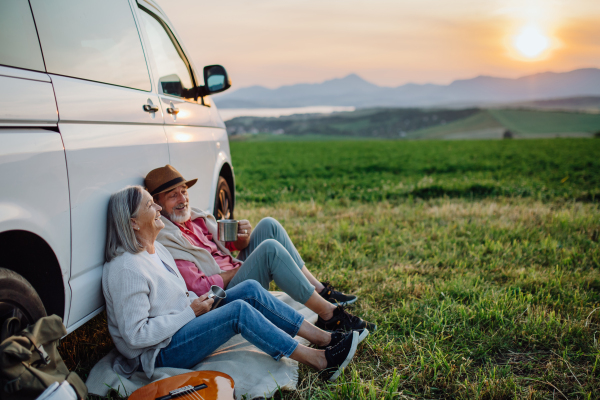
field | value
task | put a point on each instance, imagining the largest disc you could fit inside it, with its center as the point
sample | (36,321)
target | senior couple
(162,256)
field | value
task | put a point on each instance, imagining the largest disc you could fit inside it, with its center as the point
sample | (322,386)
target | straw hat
(165,178)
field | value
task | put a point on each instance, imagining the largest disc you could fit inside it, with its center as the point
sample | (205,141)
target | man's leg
(270,228)
(270,261)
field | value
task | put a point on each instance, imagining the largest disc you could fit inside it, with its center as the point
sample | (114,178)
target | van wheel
(20,304)
(223,201)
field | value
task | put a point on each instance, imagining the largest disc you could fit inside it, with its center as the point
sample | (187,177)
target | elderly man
(266,254)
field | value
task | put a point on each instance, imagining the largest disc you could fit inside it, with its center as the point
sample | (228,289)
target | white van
(93,95)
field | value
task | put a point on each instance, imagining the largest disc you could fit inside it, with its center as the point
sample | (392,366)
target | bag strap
(44,359)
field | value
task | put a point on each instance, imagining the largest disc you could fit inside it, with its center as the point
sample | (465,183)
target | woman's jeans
(261,318)
(271,256)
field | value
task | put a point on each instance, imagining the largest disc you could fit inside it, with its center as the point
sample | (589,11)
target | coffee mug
(228,230)
(217,294)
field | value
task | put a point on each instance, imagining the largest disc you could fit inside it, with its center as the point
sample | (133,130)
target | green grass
(472,126)
(530,123)
(268,137)
(395,170)
(478,261)
(488,299)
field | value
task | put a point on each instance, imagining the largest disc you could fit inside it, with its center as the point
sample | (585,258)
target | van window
(94,40)
(19,42)
(172,66)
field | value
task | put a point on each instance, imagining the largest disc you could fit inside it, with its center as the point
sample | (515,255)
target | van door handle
(172,110)
(149,108)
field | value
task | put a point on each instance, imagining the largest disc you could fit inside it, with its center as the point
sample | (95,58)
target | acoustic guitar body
(219,386)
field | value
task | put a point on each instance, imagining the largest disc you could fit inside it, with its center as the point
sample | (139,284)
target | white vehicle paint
(68,138)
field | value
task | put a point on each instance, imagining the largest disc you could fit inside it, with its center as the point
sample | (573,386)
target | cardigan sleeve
(129,291)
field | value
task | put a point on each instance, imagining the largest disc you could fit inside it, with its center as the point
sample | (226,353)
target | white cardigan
(146,305)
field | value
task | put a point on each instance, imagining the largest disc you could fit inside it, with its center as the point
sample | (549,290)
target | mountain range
(353,90)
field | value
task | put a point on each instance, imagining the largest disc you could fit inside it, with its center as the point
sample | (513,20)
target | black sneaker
(335,297)
(337,336)
(342,320)
(339,356)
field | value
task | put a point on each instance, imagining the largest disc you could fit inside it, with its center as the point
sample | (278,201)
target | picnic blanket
(255,373)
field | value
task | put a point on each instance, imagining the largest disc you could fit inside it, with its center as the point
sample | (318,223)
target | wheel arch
(227,173)
(31,257)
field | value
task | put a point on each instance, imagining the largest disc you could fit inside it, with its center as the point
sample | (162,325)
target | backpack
(29,360)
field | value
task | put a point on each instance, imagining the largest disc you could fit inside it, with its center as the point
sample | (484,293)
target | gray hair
(122,206)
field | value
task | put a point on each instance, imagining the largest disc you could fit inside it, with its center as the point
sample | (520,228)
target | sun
(531,42)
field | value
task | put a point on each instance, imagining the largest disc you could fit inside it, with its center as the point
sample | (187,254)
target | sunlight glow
(531,42)
(183,137)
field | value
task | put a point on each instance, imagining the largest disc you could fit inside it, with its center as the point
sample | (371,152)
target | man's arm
(195,280)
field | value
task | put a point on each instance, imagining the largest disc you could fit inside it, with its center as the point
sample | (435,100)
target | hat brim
(189,184)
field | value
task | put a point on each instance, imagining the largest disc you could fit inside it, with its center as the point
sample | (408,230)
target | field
(478,260)
(407,123)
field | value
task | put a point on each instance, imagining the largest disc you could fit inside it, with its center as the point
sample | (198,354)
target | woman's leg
(204,334)
(279,313)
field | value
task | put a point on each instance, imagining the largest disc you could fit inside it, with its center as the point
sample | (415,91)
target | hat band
(167,185)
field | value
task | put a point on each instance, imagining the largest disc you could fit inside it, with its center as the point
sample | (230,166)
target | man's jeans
(261,318)
(271,256)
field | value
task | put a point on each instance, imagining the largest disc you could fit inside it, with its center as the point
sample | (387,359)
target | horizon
(407,83)
(387,42)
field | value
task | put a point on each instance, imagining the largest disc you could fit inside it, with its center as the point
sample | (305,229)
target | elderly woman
(156,322)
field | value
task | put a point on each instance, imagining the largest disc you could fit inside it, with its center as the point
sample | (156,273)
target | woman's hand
(244,231)
(202,305)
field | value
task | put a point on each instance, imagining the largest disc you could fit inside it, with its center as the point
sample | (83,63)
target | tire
(223,201)
(19,302)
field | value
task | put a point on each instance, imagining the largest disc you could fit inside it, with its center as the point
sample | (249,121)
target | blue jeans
(271,256)
(262,319)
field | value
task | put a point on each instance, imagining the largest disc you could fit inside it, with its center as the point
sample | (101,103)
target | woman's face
(148,221)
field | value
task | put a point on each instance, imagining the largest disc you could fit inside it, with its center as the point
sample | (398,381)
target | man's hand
(244,231)
(202,305)
(228,276)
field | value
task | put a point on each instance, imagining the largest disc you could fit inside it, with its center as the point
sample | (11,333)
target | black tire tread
(16,289)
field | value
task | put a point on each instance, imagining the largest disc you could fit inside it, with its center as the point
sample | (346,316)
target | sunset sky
(388,42)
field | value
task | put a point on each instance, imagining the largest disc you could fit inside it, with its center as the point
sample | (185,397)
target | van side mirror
(215,80)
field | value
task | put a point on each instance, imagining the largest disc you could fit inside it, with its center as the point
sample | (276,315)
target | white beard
(179,218)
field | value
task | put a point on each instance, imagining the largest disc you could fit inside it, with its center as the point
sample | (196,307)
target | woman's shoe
(337,336)
(339,356)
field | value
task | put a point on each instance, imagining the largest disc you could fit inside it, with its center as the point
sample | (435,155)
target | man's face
(175,204)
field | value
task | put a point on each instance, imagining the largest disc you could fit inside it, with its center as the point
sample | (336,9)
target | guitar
(200,385)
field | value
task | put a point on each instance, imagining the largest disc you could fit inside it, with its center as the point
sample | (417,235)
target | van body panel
(67,143)
(110,142)
(94,102)
(24,101)
(193,154)
(35,191)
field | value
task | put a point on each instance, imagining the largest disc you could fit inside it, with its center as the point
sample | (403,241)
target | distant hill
(585,103)
(404,123)
(352,90)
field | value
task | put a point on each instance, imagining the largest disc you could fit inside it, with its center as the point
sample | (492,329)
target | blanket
(255,373)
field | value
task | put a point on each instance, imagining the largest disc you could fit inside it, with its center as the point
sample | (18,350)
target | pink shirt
(197,233)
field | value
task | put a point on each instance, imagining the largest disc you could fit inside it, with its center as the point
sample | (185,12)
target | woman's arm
(129,291)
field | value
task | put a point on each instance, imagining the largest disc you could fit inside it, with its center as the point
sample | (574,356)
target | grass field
(411,123)
(478,261)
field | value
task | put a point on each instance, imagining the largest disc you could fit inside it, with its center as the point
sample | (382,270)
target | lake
(230,113)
